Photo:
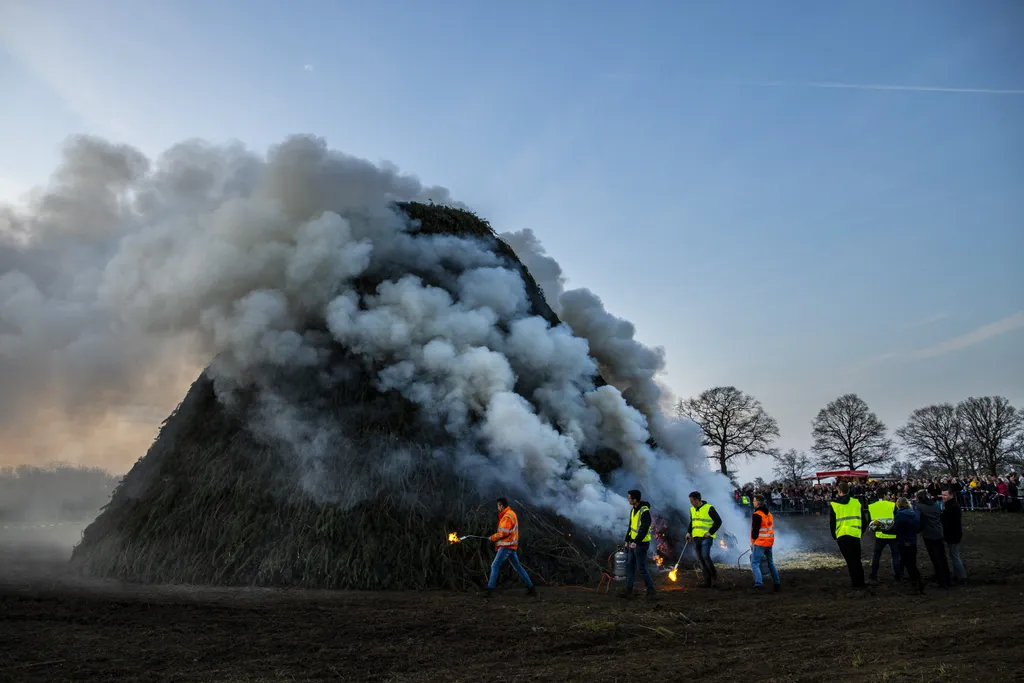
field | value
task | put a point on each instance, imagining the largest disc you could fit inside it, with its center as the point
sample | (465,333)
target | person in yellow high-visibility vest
(638,543)
(704,524)
(846,520)
(884,508)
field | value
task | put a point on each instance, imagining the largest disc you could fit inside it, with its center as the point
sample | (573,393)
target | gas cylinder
(620,565)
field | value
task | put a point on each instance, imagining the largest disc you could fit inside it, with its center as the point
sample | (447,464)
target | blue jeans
(756,556)
(636,558)
(880,545)
(500,557)
(959,573)
(703,548)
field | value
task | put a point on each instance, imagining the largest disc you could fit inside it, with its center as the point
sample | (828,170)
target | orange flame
(453,537)
(659,560)
(673,574)
(722,545)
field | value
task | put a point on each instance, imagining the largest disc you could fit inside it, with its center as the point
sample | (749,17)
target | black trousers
(937,554)
(850,548)
(908,561)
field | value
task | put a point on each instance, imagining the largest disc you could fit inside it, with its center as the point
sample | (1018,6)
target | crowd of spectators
(1001,493)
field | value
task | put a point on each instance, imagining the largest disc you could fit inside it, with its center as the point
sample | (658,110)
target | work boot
(777,588)
(650,595)
(757,590)
(626,594)
(487,593)
(532,591)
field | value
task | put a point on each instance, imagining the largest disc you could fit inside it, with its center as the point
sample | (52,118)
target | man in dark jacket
(931,533)
(638,542)
(953,532)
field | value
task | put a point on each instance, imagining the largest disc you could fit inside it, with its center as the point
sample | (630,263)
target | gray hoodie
(931,519)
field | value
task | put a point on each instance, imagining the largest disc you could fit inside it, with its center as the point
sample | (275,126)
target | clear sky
(694,163)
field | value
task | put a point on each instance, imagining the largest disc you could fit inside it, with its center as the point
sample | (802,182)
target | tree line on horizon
(59,491)
(977,436)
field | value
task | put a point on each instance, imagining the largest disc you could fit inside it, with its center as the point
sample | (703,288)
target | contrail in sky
(871,86)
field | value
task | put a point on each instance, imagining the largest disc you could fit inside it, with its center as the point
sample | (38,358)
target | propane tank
(620,565)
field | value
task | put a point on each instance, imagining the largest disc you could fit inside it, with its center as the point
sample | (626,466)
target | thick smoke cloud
(128,275)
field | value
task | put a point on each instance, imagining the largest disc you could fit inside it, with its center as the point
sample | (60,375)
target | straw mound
(213,503)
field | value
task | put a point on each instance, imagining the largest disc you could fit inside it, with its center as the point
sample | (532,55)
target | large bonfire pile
(212,502)
(382,368)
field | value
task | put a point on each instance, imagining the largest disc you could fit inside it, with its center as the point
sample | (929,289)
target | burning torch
(674,574)
(455,538)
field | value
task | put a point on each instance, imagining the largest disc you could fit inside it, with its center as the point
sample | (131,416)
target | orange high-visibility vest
(508,530)
(766,536)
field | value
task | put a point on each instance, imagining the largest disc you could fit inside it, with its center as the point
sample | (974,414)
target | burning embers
(454,538)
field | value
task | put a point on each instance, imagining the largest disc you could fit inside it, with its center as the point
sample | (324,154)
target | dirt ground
(53,628)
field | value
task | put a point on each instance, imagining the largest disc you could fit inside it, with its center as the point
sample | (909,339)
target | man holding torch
(507,541)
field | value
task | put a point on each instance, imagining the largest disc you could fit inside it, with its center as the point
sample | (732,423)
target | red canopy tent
(840,475)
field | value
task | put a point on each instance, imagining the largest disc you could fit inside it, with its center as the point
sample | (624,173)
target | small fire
(722,544)
(672,575)
(453,537)
(659,560)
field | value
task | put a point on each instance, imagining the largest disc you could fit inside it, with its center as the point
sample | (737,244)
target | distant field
(54,628)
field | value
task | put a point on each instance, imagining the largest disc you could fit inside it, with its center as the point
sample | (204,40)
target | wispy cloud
(307,67)
(972,338)
(964,341)
(924,322)
(879,86)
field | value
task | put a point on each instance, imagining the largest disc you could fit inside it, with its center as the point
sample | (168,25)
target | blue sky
(682,159)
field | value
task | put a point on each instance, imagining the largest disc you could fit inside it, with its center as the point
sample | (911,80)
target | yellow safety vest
(702,521)
(882,509)
(745,500)
(848,518)
(634,524)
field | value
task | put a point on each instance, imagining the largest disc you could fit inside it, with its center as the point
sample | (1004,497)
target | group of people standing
(702,532)
(895,521)
(941,530)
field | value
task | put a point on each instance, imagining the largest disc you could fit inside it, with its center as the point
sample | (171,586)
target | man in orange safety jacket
(507,541)
(762,540)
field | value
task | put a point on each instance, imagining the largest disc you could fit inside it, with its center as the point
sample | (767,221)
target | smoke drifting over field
(127,275)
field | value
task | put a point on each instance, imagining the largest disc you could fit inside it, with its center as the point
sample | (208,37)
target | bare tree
(992,429)
(792,466)
(903,469)
(734,424)
(935,434)
(847,434)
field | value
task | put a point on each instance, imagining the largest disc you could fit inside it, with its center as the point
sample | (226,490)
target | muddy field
(53,628)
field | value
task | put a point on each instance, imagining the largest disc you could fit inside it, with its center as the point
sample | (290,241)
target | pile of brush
(213,502)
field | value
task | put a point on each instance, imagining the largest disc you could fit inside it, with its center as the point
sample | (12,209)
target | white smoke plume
(127,275)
